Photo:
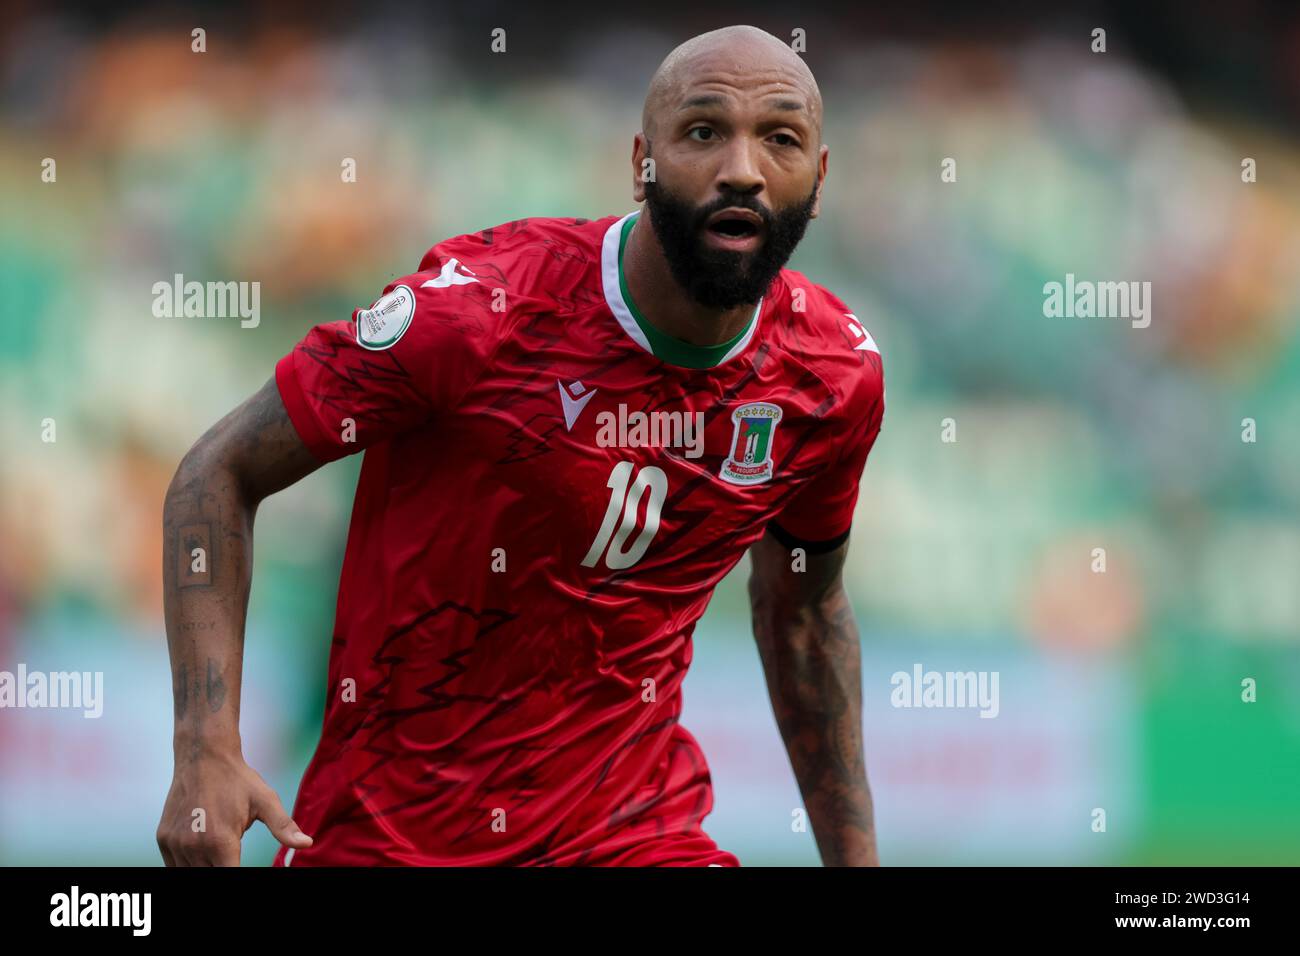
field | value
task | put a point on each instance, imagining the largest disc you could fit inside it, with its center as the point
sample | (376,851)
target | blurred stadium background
(1119,690)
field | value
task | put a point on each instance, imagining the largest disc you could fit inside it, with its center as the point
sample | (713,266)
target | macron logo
(574,401)
(450,276)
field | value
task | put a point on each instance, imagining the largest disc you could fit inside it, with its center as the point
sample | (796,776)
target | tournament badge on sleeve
(380,326)
(750,460)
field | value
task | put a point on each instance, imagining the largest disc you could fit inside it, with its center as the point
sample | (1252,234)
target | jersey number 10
(628,501)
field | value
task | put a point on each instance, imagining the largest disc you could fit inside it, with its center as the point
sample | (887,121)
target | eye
(787,139)
(701,129)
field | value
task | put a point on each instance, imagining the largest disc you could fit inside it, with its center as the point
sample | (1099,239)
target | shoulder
(823,333)
(474,288)
(542,258)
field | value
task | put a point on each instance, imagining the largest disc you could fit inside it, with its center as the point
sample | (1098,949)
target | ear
(640,149)
(822,163)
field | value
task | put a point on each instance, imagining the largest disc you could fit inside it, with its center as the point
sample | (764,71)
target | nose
(740,171)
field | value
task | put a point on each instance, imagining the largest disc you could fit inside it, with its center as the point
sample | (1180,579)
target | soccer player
(573,430)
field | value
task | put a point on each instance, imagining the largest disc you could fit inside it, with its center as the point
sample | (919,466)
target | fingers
(174,852)
(165,850)
(271,811)
(181,845)
(200,849)
(222,853)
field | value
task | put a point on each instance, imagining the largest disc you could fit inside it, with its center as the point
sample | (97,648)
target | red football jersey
(550,492)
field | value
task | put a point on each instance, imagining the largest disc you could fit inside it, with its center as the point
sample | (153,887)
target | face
(723,261)
(738,171)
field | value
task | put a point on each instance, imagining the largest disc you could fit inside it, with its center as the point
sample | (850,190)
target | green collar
(665,347)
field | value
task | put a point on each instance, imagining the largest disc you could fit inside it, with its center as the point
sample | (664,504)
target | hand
(232,795)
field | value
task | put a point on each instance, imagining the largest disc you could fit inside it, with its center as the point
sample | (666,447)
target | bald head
(733,54)
(733,119)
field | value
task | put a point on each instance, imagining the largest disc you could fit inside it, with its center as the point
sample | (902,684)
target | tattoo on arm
(216,687)
(268,452)
(208,554)
(181,689)
(809,646)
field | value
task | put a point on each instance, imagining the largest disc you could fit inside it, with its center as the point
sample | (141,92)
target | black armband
(811,547)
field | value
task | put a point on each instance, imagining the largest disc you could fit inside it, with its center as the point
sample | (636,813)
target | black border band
(811,547)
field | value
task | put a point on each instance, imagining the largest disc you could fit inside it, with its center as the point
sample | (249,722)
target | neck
(664,303)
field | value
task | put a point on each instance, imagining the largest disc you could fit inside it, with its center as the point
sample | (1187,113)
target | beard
(724,278)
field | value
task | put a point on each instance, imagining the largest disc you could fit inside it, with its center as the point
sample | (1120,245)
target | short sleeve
(818,518)
(393,366)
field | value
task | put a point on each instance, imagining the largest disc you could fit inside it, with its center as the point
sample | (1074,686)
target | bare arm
(808,642)
(207,570)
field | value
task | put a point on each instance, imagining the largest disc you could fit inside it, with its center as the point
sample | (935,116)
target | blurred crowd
(229,165)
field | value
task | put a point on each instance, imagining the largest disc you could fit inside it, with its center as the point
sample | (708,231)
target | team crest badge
(750,461)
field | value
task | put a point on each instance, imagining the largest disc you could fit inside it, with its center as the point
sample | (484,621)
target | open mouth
(734,228)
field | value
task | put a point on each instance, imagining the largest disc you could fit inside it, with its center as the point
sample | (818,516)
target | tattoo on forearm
(819,712)
(809,644)
(216,687)
(181,690)
(208,552)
